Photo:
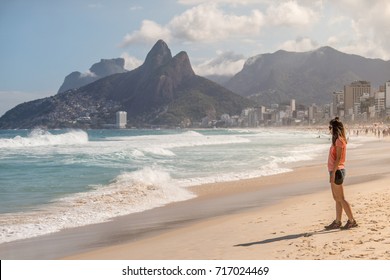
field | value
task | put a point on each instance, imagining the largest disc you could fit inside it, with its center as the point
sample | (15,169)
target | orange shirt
(333,154)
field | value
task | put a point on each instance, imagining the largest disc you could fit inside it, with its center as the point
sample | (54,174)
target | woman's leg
(339,207)
(341,203)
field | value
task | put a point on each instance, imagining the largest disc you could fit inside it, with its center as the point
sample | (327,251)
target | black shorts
(339,177)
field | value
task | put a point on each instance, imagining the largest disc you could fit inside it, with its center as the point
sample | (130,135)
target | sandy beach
(279,217)
(291,229)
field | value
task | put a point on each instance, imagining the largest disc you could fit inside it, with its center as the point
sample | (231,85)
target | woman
(336,161)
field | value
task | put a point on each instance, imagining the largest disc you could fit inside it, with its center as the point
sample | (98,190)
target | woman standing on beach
(336,161)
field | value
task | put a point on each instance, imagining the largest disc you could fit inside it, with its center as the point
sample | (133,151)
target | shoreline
(217,203)
(232,237)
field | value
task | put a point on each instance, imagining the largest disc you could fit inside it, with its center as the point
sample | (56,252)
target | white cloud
(208,23)
(333,41)
(149,33)
(370,21)
(290,13)
(203,23)
(87,73)
(226,63)
(357,26)
(131,62)
(299,45)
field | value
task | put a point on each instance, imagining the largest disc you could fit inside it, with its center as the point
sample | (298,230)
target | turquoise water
(50,180)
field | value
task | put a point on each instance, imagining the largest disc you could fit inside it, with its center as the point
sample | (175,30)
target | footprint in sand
(370,249)
(378,240)
(359,256)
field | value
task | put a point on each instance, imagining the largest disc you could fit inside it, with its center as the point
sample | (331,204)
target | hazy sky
(42,41)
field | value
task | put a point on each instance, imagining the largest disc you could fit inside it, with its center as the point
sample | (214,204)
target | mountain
(309,77)
(219,79)
(162,91)
(104,68)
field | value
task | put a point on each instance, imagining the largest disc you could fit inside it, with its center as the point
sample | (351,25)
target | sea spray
(39,137)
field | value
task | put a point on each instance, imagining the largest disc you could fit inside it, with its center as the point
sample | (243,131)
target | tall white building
(260,113)
(380,104)
(338,104)
(292,104)
(121,119)
(387,96)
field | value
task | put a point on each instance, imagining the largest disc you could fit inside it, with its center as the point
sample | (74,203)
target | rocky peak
(182,65)
(104,68)
(108,67)
(159,55)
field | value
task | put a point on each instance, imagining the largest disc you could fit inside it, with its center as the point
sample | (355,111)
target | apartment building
(353,94)
(338,103)
(121,119)
(387,96)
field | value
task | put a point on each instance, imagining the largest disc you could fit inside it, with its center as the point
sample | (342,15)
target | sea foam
(181,140)
(39,137)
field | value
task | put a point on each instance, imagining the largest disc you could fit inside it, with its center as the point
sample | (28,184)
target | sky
(42,41)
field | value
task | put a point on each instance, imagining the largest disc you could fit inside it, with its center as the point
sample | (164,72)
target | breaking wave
(39,137)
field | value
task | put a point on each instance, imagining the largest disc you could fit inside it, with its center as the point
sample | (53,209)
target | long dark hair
(338,130)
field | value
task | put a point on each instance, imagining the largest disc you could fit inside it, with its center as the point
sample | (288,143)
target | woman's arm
(339,151)
(336,163)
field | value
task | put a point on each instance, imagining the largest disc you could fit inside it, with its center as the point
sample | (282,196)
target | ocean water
(51,180)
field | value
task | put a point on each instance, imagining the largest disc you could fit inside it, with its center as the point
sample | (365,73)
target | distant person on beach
(336,167)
